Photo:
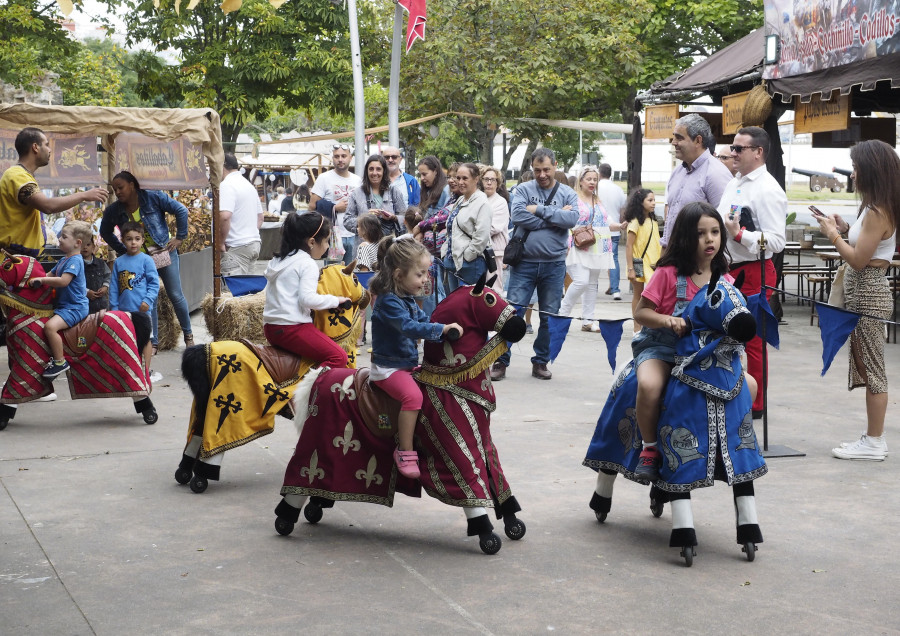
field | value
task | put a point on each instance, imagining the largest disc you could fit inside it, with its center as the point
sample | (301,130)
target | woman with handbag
(868,251)
(468,231)
(149,207)
(639,216)
(590,250)
(376,196)
(493,186)
(435,193)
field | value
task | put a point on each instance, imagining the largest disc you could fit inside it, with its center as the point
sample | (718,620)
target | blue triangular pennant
(559,329)
(245,284)
(611,330)
(835,325)
(758,305)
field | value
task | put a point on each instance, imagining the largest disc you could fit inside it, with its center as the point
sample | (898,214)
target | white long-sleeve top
(759,191)
(291,290)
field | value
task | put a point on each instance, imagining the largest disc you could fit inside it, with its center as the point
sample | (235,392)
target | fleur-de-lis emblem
(486,384)
(344,389)
(312,471)
(347,440)
(313,407)
(451,359)
(369,475)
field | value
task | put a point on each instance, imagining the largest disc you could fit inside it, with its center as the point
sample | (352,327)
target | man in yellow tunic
(21,199)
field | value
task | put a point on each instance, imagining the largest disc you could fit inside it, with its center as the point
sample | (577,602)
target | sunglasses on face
(341,147)
(724,157)
(391,157)
(739,149)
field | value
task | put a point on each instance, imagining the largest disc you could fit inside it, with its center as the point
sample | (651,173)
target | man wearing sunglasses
(331,193)
(753,204)
(405,183)
(699,177)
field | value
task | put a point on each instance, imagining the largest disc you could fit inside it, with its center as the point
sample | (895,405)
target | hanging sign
(160,164)
(821,116)
(659,121)
(73,160)
(733,112)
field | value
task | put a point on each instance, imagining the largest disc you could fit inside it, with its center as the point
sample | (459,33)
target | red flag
(415,27)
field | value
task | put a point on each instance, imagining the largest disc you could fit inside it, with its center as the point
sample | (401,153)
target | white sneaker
(50,397)
(617,296)
(155,376)
(849,444)
(872,449)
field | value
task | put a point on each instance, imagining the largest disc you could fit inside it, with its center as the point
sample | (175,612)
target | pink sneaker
(407,463)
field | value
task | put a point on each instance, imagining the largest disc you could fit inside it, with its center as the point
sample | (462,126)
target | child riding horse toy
(348,428)
(705,424)
(239,387)
(104,350)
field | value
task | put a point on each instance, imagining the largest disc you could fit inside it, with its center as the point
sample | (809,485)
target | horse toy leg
(144,407)
(479,524)
(683,534)
(748,532)
(203,470)
(601,501)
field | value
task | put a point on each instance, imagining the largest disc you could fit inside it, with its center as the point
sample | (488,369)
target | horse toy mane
(15,272)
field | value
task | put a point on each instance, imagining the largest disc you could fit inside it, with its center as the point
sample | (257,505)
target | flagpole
(394,87)
(359,102)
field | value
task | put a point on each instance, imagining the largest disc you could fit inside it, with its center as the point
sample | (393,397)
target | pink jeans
(401,386)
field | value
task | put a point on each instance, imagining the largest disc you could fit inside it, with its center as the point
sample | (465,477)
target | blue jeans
(437,292)
(170,277)
(614,273)
(469,273)
(349,243)
(548,280)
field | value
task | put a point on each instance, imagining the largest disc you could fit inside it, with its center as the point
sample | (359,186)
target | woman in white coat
(498,198)
(468,231)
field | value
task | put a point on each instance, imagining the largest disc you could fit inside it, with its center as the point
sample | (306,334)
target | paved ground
(97,537)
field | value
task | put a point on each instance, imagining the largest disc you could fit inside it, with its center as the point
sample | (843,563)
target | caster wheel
(656,508)
(182,475)
(313,512)
(151,416)
(688,553)
(490,543)
(750,550)
(198,484)
(601,516)
(3,423)
(515,530)
(283,526)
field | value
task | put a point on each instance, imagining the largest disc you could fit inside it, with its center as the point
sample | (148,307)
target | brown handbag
(584,236)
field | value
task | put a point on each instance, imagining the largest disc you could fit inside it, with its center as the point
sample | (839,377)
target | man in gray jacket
(546,210)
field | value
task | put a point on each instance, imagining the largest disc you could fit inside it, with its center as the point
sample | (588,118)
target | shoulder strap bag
(515,249)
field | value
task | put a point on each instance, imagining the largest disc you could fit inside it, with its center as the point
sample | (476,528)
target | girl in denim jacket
(397,323)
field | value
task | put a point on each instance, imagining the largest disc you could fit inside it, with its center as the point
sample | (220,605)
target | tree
(236,62)
(33,39)
(87,78)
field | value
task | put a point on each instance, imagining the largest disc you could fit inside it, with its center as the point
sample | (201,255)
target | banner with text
(826,33)
(73,160)
(161,165)
(821,116)
(659,121)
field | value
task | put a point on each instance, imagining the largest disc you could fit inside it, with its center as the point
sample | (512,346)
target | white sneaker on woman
(869,448)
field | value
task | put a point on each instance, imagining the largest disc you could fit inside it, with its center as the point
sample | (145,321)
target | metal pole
(394,88)
(359,104)
(765,349)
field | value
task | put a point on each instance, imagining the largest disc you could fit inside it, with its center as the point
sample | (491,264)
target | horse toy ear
(479,286)
(739,281)
(348,270)
(491,281)
(713,281)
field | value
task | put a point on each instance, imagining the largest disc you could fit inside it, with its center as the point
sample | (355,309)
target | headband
(321,223)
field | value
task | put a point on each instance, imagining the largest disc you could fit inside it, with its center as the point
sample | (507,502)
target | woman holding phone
(376,196)
(868,251)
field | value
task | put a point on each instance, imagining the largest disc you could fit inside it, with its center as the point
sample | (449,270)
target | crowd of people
(425,237)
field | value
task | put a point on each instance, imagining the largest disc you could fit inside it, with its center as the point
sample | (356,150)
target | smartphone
(816,212)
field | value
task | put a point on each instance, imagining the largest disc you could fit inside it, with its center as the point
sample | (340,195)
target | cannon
(819,180)
(851,187)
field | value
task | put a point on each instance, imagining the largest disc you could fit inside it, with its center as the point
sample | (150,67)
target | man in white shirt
(275,202)
(240,217)
(612,198)
(753,204)
(331,193)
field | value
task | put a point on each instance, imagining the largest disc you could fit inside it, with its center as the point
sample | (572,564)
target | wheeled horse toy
(104,351)
(348,429)
(239,386)
(705,426)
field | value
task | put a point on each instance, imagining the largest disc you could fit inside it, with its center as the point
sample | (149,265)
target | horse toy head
(477,309)
(721,311)
(15,293)
(341,324)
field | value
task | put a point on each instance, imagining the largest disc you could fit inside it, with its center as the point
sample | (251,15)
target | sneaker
(498,371)
(617,296)
(50,397)
(848,444)
(155,376)
(593,328)
(648,464)
(54,368)
(865,447)
(540,371)
(407,463)
(529,329)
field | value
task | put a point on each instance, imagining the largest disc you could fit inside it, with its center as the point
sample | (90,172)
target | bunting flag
(415,26)
(758,305)
(835,326)
(611,330)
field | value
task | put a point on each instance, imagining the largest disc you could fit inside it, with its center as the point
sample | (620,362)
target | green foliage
(237,62)
(90,79)
(452,144)
(32,39)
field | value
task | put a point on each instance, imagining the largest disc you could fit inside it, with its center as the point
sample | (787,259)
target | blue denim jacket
(397,322)
(153,206)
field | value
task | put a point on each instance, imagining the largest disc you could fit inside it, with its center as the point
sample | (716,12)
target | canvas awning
(865,74)
(198,125)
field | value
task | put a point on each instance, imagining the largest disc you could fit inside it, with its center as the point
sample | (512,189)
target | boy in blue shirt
(134,283)
(71,304)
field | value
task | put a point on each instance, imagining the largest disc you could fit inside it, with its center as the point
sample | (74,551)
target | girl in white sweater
(293,277)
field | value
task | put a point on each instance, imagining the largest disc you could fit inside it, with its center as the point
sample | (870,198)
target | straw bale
(169,330)
(238,318)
